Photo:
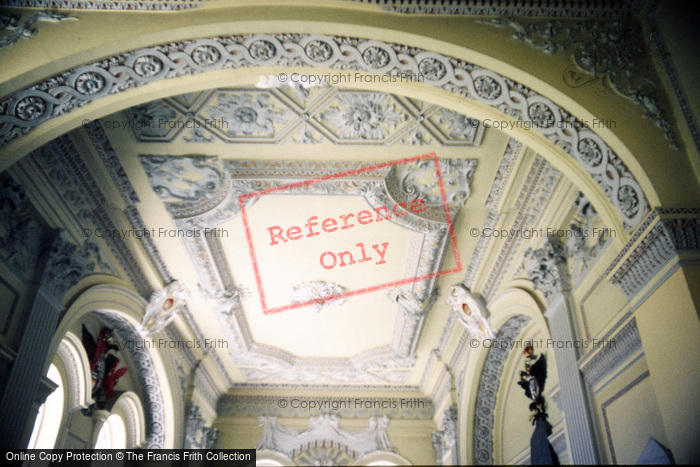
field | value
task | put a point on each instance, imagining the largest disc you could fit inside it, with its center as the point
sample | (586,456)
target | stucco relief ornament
(411,304)
(248,114)
(148,118)
(471,312)
(609,52)
(182,178)
(418,180)
(363,115)
(164,306)
(11,32)
(460,126)
(547,268)
(324,294)
(324,430)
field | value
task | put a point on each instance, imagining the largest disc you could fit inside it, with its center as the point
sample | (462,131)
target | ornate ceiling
(203,203)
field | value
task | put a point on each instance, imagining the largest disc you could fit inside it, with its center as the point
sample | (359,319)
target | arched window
(112,434)
(48,419)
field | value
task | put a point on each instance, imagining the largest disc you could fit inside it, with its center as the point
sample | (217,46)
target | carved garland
(56,96)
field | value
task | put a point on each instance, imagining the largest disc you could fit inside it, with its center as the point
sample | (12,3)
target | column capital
(547,268)
(64,267)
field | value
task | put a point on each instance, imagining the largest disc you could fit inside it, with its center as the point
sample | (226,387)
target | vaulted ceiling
(212,183)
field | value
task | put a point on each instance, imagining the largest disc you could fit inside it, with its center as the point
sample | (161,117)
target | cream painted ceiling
(193,150)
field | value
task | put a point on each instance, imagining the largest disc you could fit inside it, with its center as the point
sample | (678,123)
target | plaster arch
(123,309)
(513,312)
(76,369)
(629,191)
(129,407)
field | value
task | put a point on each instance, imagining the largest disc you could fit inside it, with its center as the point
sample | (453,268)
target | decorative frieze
(612,353)
(540,184)
(324,430)
(676,231)
(500,8)
(147,379)
(396,407)
(123,5)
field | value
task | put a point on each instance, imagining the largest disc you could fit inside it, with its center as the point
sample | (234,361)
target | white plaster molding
(674,231)
(324,430)
(567,9)
(72,354)
(395,407)
(147,377)
(33,106)
(612,353)
(11,31)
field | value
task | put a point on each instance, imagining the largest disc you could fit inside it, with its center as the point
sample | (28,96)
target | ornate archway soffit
(56,96)
(488,388)
(148,379)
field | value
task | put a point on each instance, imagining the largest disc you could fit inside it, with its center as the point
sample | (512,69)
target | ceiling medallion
(324,294)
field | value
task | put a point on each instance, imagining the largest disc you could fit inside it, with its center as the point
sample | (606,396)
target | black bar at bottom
(129,457)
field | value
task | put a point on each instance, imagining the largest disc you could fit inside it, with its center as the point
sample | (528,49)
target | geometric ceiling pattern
(301,115)
(202,193)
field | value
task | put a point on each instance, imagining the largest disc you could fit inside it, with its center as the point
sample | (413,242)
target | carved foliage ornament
(325,294)
(147,379)
(547,268)
(276,111)
(599,50)
(53,97)
(11,31)
(488,388)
